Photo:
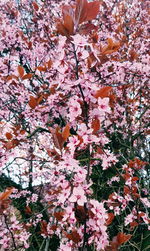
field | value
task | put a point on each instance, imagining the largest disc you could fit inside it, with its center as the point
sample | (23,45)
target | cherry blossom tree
(74,123)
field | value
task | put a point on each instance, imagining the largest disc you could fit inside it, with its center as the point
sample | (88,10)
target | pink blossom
(79,40)
(78,196)
(5,241)
(113,179)
(145,201)
(145,218)
(65,247)
(108,159)
(64,196)
(74,109)
(117,210)
(98,208)
(103,105)
(80,175)
(69,215)
(129,218)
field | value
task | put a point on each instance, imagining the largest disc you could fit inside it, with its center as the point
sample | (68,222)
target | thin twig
(13,239)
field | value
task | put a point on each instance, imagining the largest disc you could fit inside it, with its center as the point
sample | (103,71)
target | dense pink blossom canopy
(74,125)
